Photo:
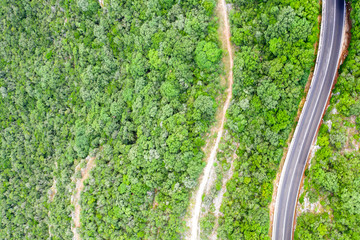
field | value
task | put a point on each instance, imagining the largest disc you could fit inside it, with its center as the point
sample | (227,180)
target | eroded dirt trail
(194,232)
(220,196)
(51,194)
(75,198)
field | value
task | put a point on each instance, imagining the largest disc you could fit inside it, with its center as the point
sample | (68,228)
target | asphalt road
(333,16)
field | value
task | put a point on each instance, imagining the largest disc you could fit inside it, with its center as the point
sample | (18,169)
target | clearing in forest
(75,198)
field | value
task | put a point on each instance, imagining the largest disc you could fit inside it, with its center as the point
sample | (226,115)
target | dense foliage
(136,78)
(334,176)
(275,42)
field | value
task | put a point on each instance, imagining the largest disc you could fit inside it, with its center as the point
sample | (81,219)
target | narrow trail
(52,193)
(75,198)
(101,2)
(225,39)
(219,198)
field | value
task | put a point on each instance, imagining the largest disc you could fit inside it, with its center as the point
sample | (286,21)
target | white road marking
(301,116)
(334,74)
(318,60)
(311,118)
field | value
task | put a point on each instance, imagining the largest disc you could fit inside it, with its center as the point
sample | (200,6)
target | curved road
(331,38)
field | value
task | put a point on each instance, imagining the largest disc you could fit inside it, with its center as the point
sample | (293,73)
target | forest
(135,85)
(135,81)
(333,179)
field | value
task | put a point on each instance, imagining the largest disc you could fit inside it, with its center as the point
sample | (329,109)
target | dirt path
(225,39)
(51,194)
(219,198)
(75,198)
(101,2)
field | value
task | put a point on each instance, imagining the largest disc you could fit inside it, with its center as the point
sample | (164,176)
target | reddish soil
(344,53)
(281,165)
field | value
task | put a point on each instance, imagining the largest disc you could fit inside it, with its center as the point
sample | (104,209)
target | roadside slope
(305,133)
(271,68)
(319,207)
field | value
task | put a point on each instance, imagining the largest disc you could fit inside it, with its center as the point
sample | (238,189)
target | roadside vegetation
(137,79)
(275,52)
(333,179)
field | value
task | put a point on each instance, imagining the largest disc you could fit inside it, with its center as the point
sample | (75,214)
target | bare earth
(75,198)
(52,192)
(194,232)
(219,198)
